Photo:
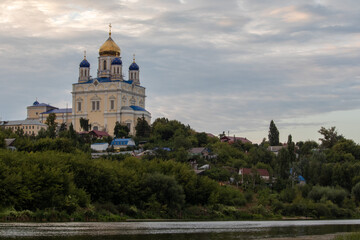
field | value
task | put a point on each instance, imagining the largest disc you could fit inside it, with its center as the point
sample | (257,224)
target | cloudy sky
(231,65)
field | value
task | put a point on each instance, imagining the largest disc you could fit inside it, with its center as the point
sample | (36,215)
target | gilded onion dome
(109,48)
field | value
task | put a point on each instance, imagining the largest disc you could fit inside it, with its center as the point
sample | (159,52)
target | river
(225,230)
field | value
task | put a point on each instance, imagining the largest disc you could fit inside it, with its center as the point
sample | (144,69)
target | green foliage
(121,130)
(336,195)
(218,174)
(84,124)
(273,134)
(2,140)
(330,137)
(356,192)
(348,236)
(306,148)
(52,125)
(283,164)
(142,128)
(202,139)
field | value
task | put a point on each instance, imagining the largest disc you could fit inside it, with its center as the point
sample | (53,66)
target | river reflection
(174,230)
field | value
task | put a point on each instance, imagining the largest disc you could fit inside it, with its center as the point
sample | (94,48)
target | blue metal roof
(134,67)
(301,179)
(37,104)
(120,141)
(137,108)
(116,61)
(59,110)
(129,81)
(84,63)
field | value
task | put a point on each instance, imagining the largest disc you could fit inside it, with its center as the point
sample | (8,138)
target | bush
(336,195)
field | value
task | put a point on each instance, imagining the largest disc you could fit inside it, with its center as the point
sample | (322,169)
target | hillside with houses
(168,170)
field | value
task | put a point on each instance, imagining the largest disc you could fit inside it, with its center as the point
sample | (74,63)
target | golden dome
(109,48)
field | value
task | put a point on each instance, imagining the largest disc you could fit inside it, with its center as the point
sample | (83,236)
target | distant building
(9,143)
(98,134)
(263,173)
(99,147)
(234,139)
(275,149)
(30,127)
(200,151)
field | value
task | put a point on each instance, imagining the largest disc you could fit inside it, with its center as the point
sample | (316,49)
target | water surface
(229,230)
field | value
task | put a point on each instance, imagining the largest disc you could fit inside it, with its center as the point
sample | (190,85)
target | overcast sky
(218,66)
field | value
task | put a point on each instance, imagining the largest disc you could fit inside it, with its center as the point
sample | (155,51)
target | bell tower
(84,70)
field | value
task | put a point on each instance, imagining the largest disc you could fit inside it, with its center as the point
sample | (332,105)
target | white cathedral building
(109,98)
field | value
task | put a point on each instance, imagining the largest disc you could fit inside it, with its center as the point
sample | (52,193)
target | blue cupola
(84,70)
(134,72)
(116,61)
(84,63)
(134,67)
(36,103)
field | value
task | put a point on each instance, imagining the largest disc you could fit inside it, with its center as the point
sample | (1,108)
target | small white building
(99,147)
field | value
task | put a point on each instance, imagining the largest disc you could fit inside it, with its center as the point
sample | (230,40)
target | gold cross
(109,29)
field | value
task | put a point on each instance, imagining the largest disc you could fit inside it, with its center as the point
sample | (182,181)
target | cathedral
(104,100)
(109,98)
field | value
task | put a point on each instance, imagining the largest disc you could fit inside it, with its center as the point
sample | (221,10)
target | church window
(97,105)
(93,106)
(128,125)
(133,101)
(104,64)
(32,127)
(112,104)
(131,75)
(79,106)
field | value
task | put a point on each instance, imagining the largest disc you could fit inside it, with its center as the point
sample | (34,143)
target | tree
(273,134)
(52,125)
(330,138)
(2,140)
(356,192)
(283,164)
(202,139)
(84,124)
(142,128)
(121,130)
(72,133)
(291,149)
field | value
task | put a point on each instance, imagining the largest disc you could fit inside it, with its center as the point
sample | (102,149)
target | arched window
(104,64)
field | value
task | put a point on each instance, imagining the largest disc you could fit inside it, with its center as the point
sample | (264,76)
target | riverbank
(310,237)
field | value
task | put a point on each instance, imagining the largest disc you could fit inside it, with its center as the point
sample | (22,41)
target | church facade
(104,100)
(108,98)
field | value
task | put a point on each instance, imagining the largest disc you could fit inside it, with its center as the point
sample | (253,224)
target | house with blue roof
(119,143)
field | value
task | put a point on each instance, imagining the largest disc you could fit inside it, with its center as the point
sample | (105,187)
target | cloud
(217,66)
